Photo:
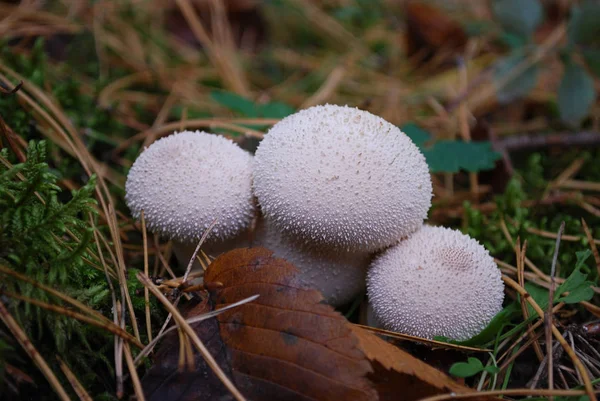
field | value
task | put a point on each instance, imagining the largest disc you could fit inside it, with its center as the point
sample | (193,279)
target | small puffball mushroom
(341,177)
(437,282)
(339,276)
(187,180)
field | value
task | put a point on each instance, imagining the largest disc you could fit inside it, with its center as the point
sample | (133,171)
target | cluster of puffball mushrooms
(341,194)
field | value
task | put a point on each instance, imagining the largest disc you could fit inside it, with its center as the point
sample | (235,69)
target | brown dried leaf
(429,31)
(400,376)
(164,381)
(287,344)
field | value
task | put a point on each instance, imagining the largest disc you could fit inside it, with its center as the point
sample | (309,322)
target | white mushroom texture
(187,180)
(339,276)
(342,177)
(438,282)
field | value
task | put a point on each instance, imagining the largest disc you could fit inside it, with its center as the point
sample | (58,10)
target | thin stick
(516,391)
(202,239)
(549,314)
(193,336)
(588,234)
(109,326)
(30,349)
(77,387)
(137,385)
(146,293)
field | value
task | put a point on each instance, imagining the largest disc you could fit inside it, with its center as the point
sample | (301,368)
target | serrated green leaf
(517,86)
(576,285)
(584,292)
(466,369)
(492,369)
(592,60)
(576,94)
(248,108)
(488,334)
(235,103)
(519,16)
(583,26)
(452,156)
(539,295)
(418,135)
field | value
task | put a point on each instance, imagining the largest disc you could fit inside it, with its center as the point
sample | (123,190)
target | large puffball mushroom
(185,181)
(341,177)
(437,282)
(339,276)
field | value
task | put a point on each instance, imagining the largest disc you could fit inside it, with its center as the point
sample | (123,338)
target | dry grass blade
(77,387)
(146,293)
(137,386)
(30,349)
(568,349)
(433,343)
(549,314)
(56,293)
(592,242)
(516,391)
(109,326)
(193,337)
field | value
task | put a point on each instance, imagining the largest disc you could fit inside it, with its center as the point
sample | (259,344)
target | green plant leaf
(519,16)
(236,103)
(592,60)
(418,135)
(583,26)
(518,85)
(248,108)
(576,94)
(488,334)
(539,295)
(492,369)
(466,369)
(576,285)
(452,156)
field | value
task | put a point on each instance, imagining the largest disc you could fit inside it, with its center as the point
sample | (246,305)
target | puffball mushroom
(339,276)
(437,282)
(341,177)
(185,181)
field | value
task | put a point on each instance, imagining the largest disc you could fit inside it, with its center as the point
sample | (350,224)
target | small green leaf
(582,293)
(583,25)
(452,156)
(275,110)
(539,295)
(519,16)
(509,86)
(418,135)
(492,369)
(236,103)
(592,60)
(576,285)
(466,369)
(488,334)
(576,94)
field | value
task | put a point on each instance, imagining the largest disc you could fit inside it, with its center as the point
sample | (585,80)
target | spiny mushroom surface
(339,276)
(342,177)
(438,282)
(187,180)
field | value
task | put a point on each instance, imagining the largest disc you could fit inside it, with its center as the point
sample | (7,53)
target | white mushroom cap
(187,180)
(342,177)
(438,282)
(339,276)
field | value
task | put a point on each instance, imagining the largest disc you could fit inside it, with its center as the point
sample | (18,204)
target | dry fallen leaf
(399,375)
(429,31)
(286,345)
